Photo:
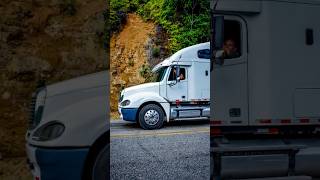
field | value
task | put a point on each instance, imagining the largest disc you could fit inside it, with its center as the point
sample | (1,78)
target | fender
(83,113)
(138,99)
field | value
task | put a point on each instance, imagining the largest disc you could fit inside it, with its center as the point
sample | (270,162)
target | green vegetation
(119,10)
(155,52)
(187,22)
(145,72)
(131,62)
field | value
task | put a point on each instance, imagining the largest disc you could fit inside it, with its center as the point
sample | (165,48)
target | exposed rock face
(43,30)
(6,95)
(132,49)
(49,40)
(128,54)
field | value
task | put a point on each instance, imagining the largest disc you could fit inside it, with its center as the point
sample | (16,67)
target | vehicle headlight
(49,131)
(125,103)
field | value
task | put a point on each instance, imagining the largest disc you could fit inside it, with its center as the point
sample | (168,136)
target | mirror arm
(172,83)
(219,61)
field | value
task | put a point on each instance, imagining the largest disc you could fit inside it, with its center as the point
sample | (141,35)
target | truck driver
(230,50)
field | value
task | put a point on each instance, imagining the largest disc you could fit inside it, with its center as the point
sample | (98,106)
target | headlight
(49,131)
(125,103)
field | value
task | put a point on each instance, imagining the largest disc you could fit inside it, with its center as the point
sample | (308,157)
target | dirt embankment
(129,51)
(48,40)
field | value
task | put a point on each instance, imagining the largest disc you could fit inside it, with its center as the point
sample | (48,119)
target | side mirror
(177,71)
(217,31)
(217,38)
(177,74)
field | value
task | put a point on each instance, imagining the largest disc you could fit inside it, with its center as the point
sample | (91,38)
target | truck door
(177,90)
(229,81)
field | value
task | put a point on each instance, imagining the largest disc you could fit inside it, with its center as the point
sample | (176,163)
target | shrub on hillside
(146,73)
(131,62)
(155,52)
(186,21)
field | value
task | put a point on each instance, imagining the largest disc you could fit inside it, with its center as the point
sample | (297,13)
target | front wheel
(151,116)
(97,165)
(101,168)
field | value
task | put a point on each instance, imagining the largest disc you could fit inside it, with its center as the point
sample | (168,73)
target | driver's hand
(219,54)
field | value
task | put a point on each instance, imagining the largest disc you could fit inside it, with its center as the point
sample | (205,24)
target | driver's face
(229,47)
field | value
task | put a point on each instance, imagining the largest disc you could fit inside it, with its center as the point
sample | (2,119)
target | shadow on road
(172,124)
(187,122)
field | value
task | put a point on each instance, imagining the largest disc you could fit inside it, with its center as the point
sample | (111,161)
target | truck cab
(69,132)
(272,85)
(180,90)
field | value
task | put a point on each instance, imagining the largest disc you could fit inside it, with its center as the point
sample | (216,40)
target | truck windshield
(158,75)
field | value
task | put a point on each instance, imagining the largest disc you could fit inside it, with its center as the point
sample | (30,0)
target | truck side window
(182,75)
(204,54)
(232,37)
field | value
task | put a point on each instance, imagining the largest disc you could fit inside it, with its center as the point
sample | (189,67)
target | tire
(97,166)
(151,116)
(101,168)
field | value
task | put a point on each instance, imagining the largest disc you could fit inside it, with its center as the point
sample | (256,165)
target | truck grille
(120,97)
(35,111)
(32,110)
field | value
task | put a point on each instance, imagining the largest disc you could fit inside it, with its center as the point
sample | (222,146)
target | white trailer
(274,83)
(180,90)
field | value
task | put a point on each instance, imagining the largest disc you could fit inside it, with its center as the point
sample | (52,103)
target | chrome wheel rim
(151,117)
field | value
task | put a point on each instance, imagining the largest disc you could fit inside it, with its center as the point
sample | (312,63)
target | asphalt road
(180,150)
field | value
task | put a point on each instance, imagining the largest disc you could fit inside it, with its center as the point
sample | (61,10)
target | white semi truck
(273,85)
(69,135)
(180,90)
